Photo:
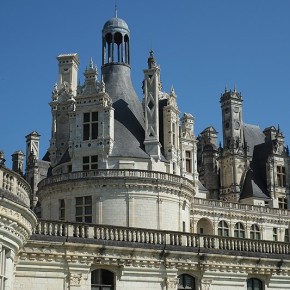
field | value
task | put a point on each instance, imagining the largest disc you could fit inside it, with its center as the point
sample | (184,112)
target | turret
(233,159)
(171,130)
(68,71)
(207,160)
(151,91)
(18,162)
(116,36)
(188,148)
(232,119)
(62,104)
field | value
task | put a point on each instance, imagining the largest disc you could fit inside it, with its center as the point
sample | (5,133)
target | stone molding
(75,279)
(83,256)
(171,283)
(17,221)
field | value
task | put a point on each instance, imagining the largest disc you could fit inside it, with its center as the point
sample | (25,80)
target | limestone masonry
(129,197)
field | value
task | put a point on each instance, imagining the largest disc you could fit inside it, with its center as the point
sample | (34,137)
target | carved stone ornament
(75,279)
(171,283)
(205,284)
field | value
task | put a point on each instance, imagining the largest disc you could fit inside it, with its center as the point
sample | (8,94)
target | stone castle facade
(128,197)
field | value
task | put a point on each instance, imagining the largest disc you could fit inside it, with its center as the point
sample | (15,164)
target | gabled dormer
(91,124)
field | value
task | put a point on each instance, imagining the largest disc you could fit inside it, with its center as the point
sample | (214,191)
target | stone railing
(14,186)
(154,237)
(218,204)
(116,173)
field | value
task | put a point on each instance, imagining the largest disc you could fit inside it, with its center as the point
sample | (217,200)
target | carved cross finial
(235,88)
(91,63)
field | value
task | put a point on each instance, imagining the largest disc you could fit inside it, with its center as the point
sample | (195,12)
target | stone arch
(205,226)
(103,279)
(255,284)
(186,281)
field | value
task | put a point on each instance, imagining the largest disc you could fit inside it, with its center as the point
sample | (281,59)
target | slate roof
(128,114)
(253,187)
(253,136)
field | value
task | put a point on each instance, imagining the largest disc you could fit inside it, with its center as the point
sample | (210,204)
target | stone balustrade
(225,205)
(154,237)
(13,186)
(116,173)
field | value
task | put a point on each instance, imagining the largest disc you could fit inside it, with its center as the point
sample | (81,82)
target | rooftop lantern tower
(116,35)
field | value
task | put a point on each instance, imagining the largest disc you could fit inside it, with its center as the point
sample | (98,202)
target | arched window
(102,280)
(186,282)
(239,231)
(254,284)
(255,232)
(223,229)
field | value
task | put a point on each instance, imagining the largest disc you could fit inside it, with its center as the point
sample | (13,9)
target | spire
(116,9)
(235,88)
(91,72)
(151,60)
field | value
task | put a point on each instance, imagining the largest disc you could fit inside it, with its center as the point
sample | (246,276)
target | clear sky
(201,46)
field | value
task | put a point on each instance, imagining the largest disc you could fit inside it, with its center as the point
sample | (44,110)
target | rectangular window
(90,162)
(286,236)
(174,167)
(173,135)
(281,176)
(275,234)
(84,209)
(188,161)
(282,201)
(90,126)
(61,209)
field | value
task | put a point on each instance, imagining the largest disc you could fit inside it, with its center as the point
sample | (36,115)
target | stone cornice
(83,256)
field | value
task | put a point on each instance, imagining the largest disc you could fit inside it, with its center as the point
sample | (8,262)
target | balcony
(117,173)
(163,240)
(14,187)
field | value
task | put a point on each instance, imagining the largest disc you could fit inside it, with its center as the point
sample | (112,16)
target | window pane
(79,200)
(86,117)
(86,167)
(88,210)
(95,158)
(94,116)
(79,210)
(88,200)
(88,219)
(94,166)
(86,159)
(61,202)
(95,131)
(86,132)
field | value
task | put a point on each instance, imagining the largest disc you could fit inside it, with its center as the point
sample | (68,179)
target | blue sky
(201,46)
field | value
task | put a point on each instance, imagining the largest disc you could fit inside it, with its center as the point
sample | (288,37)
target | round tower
(16,219)
(106,176)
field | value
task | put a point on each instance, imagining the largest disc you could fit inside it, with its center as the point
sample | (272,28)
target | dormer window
(90,126)
(90,162)
(281,176)
(188,163)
